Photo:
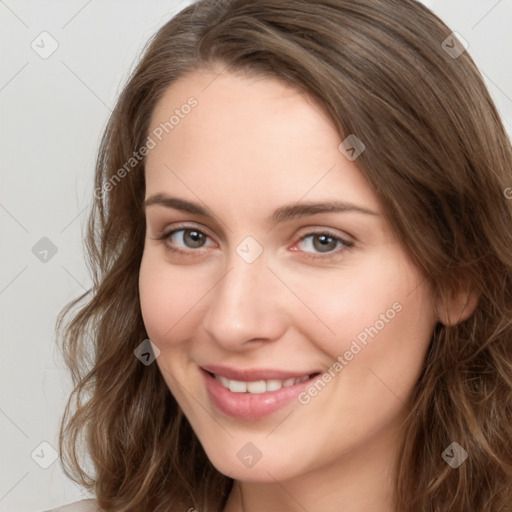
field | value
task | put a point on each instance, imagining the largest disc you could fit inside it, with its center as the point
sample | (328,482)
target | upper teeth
(258,386)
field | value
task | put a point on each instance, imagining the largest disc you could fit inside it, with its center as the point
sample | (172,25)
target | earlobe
(457,307)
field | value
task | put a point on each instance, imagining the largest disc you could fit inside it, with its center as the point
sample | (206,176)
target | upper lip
(254,374)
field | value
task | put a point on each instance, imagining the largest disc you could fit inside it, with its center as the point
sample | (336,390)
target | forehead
(243,105)
(249,135)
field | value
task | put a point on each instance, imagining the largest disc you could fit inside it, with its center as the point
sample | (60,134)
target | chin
(235,462)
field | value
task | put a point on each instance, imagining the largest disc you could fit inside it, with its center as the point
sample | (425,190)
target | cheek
(162,298)
(164,307)
(172,298)
(377,298)
(383,298)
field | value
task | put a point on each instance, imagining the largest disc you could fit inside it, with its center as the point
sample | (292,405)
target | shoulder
(78,506)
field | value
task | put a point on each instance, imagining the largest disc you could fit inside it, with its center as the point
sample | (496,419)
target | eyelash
(344,243)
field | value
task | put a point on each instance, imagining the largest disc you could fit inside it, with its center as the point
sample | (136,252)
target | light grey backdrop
(54,103)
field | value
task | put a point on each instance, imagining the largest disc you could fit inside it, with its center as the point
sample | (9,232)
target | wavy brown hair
(440,160)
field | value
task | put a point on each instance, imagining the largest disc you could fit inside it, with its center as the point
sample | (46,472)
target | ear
(456,307)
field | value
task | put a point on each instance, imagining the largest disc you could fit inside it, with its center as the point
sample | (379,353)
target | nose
(246,306)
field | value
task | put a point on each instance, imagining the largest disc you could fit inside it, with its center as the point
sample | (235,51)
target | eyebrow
(283,213)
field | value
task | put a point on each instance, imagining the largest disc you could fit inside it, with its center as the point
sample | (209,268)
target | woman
(303,271)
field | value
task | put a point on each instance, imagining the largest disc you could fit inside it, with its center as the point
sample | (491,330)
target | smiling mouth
(251,394)
(259,386)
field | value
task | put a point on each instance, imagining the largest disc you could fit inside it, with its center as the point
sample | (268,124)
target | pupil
(324,243)
(195,237)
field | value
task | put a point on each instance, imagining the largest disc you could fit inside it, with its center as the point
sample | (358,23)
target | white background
(52,114)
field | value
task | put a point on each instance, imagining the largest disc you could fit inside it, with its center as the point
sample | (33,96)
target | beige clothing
(78,506)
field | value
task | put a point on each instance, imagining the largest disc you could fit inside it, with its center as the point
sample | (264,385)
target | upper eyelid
(308,231)
(206,230)
(174,229)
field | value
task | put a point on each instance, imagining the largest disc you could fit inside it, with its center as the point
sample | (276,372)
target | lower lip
(250,406)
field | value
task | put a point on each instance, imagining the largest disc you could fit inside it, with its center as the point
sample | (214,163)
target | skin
(250,146)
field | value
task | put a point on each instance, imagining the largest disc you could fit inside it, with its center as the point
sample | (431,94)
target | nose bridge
(244,303)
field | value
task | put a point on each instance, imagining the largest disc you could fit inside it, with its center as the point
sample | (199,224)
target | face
(290,334)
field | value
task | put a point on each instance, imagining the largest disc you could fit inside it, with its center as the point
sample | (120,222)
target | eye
(325,243)
(318,244)
(190,238)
